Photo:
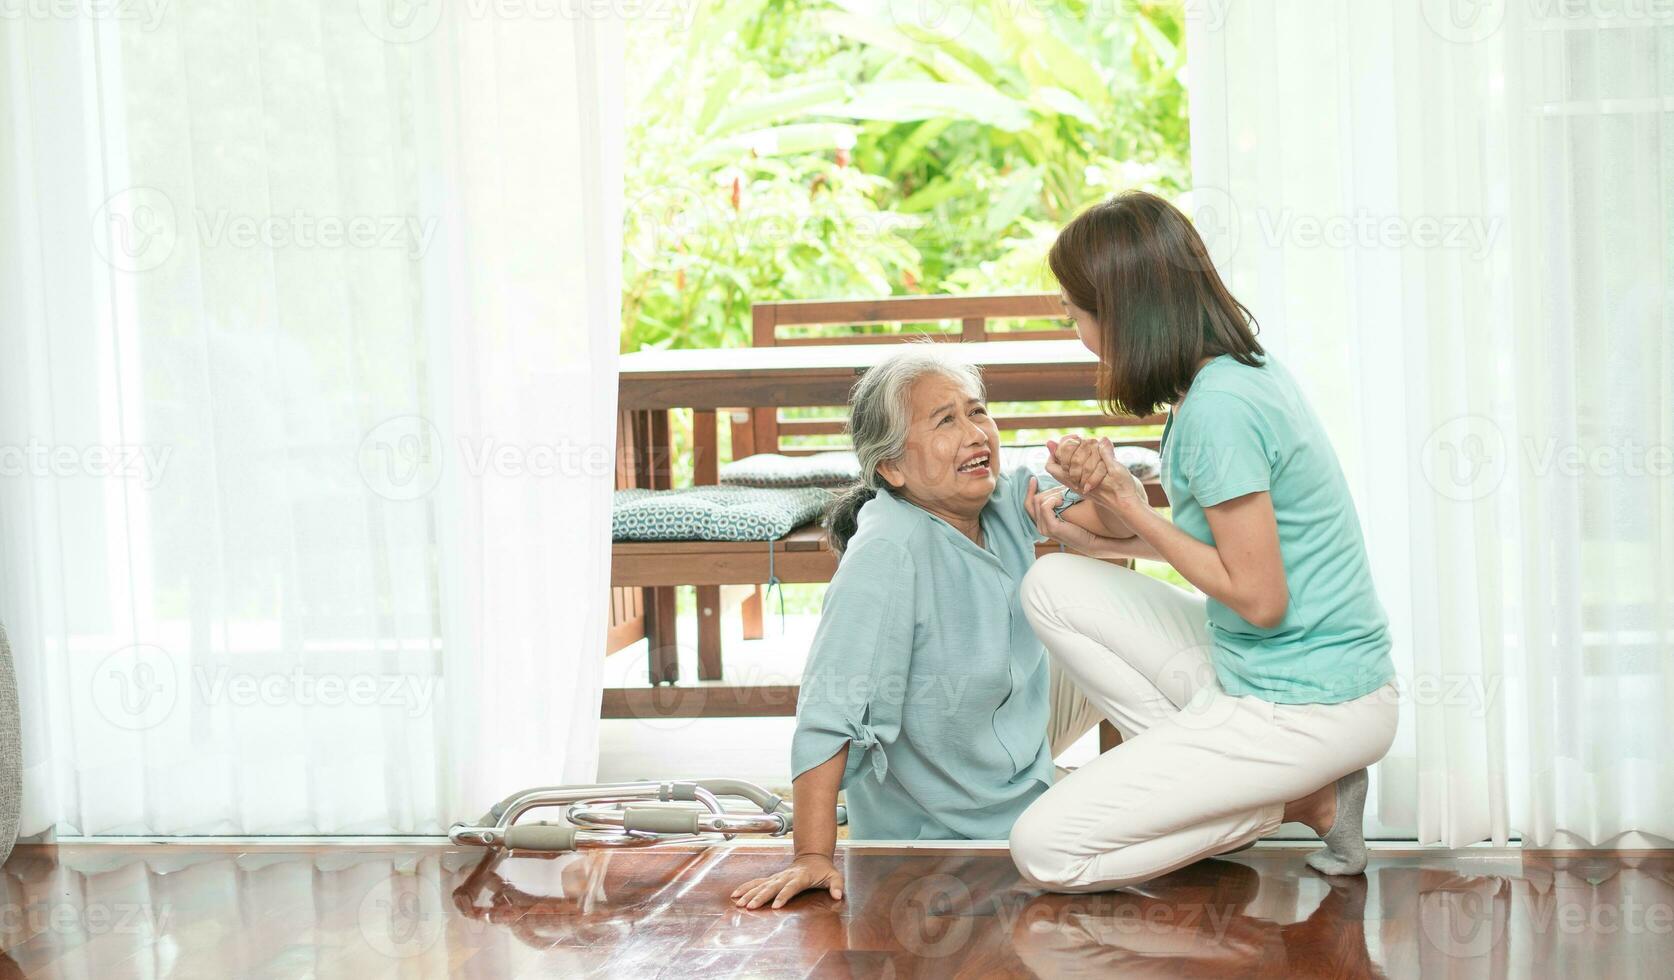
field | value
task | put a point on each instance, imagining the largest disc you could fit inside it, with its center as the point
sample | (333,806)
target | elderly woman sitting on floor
(927,696)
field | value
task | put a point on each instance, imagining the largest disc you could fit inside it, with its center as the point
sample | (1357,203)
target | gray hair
(880,417)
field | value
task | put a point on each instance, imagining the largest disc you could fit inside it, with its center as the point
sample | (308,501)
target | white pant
(1199,772)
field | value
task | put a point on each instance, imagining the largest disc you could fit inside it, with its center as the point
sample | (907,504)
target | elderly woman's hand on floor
(808,872)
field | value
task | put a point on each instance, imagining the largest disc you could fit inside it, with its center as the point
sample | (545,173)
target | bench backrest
(951,319)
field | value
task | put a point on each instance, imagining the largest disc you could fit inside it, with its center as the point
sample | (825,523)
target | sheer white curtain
(308,332)
(1456,222)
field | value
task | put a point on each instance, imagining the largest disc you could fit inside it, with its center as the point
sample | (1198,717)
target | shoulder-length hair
(1138,266)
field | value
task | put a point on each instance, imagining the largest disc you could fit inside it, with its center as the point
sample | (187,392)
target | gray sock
(1344,852)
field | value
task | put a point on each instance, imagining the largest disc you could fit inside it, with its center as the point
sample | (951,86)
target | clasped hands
(1089,467)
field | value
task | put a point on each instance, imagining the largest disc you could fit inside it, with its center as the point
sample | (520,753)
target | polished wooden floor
(123,910)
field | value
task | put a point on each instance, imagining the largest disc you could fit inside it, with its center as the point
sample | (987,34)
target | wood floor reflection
(155,911)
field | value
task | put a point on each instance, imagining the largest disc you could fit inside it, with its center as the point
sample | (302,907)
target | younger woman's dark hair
(1138,266)
(880,416)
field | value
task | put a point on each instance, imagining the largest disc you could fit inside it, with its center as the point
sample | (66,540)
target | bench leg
(751,611)
(709,632)
(661,640)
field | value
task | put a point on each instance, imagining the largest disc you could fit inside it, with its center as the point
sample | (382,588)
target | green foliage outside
(814,149)
(818,149)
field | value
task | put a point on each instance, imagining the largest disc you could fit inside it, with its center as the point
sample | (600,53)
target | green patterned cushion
(714,513)
(833,470)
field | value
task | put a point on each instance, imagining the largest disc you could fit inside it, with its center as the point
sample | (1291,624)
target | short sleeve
(1224,450)
(855,683)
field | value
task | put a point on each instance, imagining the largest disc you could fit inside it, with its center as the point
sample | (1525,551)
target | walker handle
(540,837)
(661,820)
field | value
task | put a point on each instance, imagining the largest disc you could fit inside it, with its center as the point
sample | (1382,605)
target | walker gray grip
(744,790)
(660,820)
(540,837)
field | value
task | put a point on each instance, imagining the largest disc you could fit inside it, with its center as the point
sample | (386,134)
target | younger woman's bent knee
(1041,858)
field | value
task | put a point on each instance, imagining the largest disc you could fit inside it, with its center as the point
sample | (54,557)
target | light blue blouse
(924,661)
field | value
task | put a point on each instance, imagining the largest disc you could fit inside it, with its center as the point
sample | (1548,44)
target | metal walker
(604,815)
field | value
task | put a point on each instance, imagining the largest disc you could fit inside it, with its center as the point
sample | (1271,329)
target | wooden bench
(799,361)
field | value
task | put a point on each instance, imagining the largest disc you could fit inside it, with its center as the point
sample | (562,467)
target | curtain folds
(308,333)
(1454,222)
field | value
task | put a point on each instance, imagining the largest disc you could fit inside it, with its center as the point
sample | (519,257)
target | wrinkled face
(952,452)
(1086,328)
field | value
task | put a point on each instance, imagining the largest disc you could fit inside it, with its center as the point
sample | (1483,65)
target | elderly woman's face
(953,448)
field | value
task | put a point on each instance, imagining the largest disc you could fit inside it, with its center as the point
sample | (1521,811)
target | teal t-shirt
(1243,429)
